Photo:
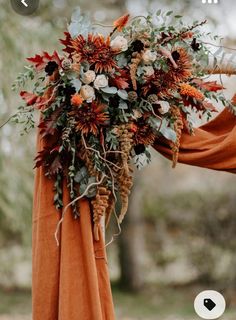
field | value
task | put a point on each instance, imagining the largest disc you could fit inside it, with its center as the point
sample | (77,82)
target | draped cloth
(212,146)
(71,282)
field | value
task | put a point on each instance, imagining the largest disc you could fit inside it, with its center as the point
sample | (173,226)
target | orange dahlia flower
(188,90)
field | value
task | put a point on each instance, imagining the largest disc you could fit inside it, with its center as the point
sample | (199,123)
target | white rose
(87,92)
(137,114)
(149,56)
(101,81)
(148,70)
(165,107)
(119,43)
(88,77)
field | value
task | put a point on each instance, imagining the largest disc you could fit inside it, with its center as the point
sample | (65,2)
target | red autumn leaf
(234,99)
(42,158)
(55,166)
(40,61)
(49,159)
(209,85)
(47,128)
(40,103)
(120,83)
(120,79)
(30,98)
(67,43)
(209,106)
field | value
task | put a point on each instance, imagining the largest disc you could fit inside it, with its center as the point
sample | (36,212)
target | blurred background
(179,236)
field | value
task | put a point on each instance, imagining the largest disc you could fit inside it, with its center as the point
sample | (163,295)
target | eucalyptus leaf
(76,84)
(80,24)
(81,175)
(167,132)
(123,105)
(123,94)
(109,90)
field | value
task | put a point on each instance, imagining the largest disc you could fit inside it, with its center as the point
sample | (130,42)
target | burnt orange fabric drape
(212,146)
(71,282)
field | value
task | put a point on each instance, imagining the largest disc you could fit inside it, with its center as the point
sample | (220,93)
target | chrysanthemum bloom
(95,50)
(162,83)
(183,71)
(89,117)
(121,22)
(76,100)
(189,91)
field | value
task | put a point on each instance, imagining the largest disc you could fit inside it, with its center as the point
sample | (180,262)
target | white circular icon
(209,304)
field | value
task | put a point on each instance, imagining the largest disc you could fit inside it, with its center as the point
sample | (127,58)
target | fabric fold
(70,281)
(212,146)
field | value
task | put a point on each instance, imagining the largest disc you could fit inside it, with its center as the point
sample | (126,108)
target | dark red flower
(89,117)
(95,50)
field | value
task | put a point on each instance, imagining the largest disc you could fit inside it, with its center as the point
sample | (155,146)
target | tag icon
(209,304)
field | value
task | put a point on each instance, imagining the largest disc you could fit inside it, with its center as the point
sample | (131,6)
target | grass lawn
(152,304)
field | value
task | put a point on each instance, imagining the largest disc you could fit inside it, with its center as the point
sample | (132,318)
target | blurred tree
(131,242)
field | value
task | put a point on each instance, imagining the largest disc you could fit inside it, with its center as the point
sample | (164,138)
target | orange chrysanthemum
(189,91)
(89,117)
(183,71)
(76,100)
(121,22)
(162,83)
(95,50)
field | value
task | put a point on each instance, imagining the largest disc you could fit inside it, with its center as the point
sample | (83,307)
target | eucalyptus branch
(181,33)
(218,46)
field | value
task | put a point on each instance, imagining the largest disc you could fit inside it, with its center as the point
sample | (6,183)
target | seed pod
(132,96)
(152,98)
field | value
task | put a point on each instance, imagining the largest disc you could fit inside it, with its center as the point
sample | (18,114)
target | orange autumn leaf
(209,85)
(121,22)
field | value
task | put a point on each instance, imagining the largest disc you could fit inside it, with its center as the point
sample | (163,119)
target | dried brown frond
(135,61)
(86,156)
(123,176)
(178,127)
(99,205)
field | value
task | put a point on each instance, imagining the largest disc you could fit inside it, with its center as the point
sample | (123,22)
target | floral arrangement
(107,99)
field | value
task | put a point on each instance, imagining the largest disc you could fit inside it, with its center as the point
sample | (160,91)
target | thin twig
(9,119)
(218,46)
(96,151)
(73,202)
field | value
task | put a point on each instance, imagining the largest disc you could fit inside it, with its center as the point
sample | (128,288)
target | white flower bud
(148,71)
(165,106)
(101,81)
(149,56)
(119,43)
(87,92)
(88,77)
